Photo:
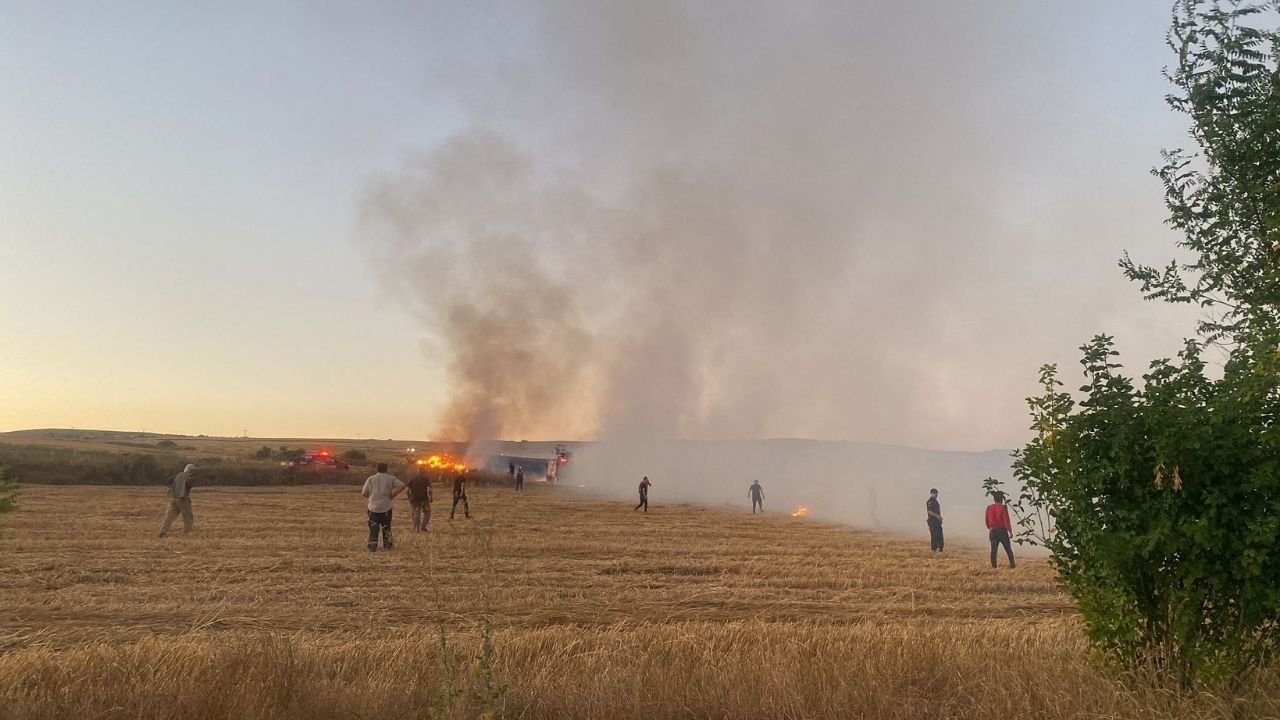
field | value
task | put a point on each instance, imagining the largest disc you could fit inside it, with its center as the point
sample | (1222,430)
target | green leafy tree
(1160,500)
(1226,198)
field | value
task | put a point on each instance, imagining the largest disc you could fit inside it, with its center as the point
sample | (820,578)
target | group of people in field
(382,488)
(999,526)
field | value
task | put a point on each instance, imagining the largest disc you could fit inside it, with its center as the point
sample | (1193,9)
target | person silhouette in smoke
(644,494)
(757,496)
(934,519)
(519,479)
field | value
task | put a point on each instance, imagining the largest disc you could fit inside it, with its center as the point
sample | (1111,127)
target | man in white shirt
(179,501)
(381,489)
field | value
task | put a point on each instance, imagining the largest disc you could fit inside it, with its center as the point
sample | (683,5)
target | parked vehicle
(319,460)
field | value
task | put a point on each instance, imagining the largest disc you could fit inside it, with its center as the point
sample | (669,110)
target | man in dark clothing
(460,495)
(757,496)
(999,529)
(934,511)
(511,470)
(420,499)
(519,479)
(644,494)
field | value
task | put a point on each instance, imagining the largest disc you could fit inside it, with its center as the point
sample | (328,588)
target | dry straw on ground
(273,609)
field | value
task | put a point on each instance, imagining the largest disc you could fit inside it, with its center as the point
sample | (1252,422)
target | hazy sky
(932,198)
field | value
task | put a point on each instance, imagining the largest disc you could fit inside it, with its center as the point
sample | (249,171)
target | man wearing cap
(179,501)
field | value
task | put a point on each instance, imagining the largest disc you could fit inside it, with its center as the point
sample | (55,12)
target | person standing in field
(420,497)
(179,501)
(519,479)
(644,494)
(999,529)
(460,494)
(934,519)
(757,496)
(511,470)
(381,489)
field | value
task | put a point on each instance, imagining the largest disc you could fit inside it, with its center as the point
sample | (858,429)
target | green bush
(1160,501)
(1161,506)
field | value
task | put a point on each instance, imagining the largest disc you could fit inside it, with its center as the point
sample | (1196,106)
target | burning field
(442,461)
(272,609)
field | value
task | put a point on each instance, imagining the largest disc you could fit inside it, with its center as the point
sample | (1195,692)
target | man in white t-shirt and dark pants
(381,489)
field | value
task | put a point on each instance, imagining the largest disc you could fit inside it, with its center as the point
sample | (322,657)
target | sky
(862,221)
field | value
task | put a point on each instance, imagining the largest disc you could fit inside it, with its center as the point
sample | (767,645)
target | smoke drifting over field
(726,220)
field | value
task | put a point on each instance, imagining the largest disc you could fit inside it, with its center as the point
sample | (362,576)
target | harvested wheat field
(546,605)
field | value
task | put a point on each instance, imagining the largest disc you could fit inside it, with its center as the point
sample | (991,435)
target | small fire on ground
(800,511)
(444,462)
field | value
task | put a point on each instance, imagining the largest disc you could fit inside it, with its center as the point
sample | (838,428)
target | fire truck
(549,469)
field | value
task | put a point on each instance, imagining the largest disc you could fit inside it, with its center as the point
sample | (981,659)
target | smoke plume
(717,220)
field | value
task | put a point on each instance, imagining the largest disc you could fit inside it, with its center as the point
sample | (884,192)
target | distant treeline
(43,465)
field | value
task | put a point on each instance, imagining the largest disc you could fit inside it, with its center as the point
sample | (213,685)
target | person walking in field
(519,479)
(381,489)
(999,529)
(460,494)
(757,496)
(934,519)
(644,494)
(179,501)
(420,497)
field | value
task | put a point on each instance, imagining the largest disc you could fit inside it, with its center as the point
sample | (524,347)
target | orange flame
(800,511)
(444,462)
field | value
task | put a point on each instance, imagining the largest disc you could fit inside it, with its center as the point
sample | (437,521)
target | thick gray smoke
(740,220)
(475,238)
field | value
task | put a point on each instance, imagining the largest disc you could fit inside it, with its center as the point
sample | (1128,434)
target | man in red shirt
(999,529)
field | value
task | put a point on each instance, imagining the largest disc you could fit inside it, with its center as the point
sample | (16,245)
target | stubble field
(272,608)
